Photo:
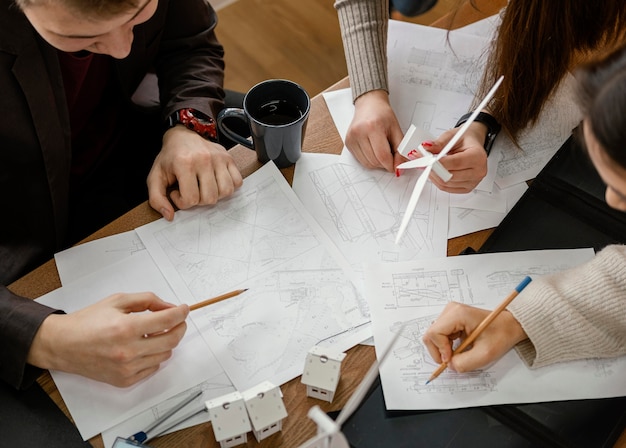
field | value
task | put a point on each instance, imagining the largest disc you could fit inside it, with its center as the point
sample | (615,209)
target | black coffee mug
(276,112)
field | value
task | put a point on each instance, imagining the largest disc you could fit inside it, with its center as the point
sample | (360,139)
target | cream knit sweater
(579,313)
(364,25)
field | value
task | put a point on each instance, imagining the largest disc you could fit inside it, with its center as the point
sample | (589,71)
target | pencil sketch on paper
(361,210)
(267,335)
(418,364)
(431,288)
(300,288)
(243,237)
(440,69)
(413,293)
(433,75)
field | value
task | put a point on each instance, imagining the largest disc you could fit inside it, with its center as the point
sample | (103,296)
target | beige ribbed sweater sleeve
(364,26)
(576,314)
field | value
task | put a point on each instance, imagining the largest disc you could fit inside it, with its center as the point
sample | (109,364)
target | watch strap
(196,121)
(493,127)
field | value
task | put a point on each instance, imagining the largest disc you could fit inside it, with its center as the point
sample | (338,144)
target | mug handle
(233,112)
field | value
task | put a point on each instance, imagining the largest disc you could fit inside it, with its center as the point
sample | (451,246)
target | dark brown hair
(93,9)
(602,98)
(538,41)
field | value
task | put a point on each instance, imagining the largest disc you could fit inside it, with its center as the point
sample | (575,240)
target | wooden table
(321,137)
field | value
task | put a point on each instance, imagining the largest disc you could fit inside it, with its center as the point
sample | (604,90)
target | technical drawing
(431,288)
(267,335)
(226,245)
(361,210)
(442,70)
(300,289)
(417,364)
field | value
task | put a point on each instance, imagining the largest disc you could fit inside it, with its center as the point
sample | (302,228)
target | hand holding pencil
(489,334)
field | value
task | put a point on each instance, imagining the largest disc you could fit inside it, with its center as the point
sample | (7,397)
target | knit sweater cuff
(575,314)
(364,27)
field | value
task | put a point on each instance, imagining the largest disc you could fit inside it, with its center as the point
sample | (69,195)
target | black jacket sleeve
(190,62)
(20,318)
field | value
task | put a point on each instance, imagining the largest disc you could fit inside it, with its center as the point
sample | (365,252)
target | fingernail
(412,154)
(427,143)
(397,172)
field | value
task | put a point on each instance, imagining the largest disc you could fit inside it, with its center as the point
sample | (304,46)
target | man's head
(98,26)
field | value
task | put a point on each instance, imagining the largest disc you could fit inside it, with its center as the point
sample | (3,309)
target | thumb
(158,199)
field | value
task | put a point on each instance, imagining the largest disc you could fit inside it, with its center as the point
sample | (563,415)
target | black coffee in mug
(276,112)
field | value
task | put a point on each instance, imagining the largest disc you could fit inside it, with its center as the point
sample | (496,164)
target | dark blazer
(178,42)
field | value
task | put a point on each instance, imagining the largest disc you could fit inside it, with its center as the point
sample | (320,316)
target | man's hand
(204,171)
(374,133)
(113,341)
(457,321)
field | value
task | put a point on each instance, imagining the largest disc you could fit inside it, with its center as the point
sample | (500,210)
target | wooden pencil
(207,302)
(480,328)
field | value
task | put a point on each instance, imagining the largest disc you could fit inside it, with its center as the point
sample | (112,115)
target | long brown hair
(538,41)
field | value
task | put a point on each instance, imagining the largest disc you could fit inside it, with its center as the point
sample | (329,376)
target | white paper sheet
(97,406)
(301,289)
(87,258)
(433,74)
(414,294)
(466,220)
(212,388)
(361,209)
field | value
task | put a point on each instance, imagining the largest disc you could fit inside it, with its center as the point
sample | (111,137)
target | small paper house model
(265,409)
(321,372)
(230,420)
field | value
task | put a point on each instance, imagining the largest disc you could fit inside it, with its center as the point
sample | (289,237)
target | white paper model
(229,419)
(322,368)
(265,409)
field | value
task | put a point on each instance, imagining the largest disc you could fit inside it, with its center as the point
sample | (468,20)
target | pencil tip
(427,382)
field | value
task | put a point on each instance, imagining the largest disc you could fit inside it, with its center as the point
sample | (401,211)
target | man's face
(69,32)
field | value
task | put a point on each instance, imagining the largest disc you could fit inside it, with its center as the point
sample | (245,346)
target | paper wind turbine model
(329,433)
(430,162)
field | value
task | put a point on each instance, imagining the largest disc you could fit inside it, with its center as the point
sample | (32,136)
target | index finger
(442,333)
(162,320)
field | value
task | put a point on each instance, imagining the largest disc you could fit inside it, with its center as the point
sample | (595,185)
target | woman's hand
(375,133)
(466,161)
(457,321)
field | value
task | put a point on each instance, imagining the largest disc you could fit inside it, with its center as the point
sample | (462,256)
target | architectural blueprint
(361,210)
(433,77)
(433,74)
(414,293)
(301,289)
